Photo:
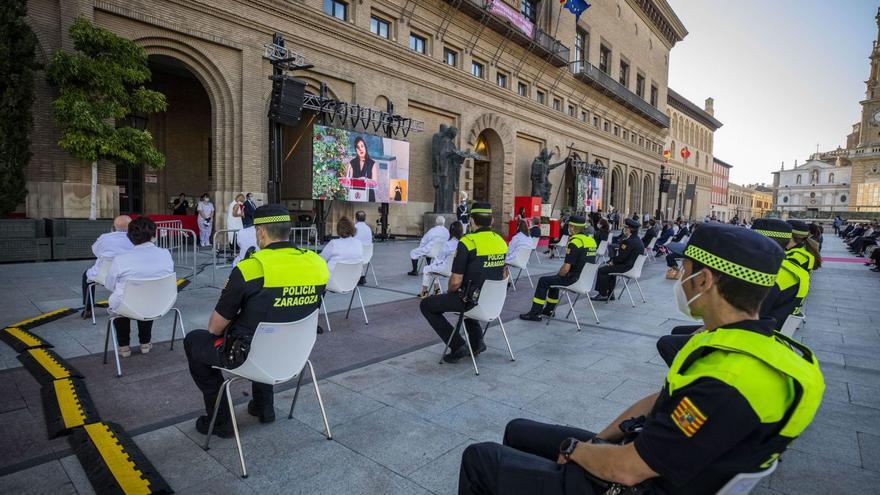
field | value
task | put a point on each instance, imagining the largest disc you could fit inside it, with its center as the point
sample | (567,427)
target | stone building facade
(596,89)
(815,187)
(720,188)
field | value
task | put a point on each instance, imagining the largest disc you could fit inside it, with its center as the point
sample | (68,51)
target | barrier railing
(304,237)
(177,240)
(229,249)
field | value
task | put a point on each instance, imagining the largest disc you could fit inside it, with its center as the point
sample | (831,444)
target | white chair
(560,246)
(744,483)
(144,300)
(521,261)
(791,325)
(445,273)
(278,353)
(581,287)
(685,239)
(433,252)
(343,280)
(535,241)
(649,249)
(601,252)
(100,279)
(633,273)
(493,293)
(368,262)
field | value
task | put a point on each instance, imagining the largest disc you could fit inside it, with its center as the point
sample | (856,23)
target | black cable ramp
(67,405)
(113,462)
(21,340)
(43,318)
(46,366)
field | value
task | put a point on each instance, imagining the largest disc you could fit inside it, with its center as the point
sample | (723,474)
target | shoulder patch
(688,418)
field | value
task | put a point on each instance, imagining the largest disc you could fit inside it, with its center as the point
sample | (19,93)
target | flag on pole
(576,7)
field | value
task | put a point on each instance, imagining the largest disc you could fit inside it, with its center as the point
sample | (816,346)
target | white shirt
(144,261)
(246,239)
(363,233)
(109,245)
(516,242)
(443,261)
(437,233)
(205,209)
(345,250)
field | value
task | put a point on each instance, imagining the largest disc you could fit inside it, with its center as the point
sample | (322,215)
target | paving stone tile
(44,478)
(566,406)
(869,447)
(836,391)
(575,356)
(829,358)
(341,404)
(418,394)
(367,376)
(835,442)
(508,389)
(225,482)
(871,363)
(77,475)
(631,391)
(615,365)
(481,419)
(808,474)
(864,395)
(590,382)
(177,457)
(441,475)
(860,418)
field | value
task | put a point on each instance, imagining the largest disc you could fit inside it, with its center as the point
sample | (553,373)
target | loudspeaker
(287,99)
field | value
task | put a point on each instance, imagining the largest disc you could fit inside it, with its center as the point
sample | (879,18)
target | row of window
(814,177)
(582,54)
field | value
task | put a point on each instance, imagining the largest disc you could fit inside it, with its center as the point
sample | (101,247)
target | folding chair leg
(628,292)
(107,339)
(220,394)
(235,430)
(174,328)
(370,267)
(90,296)
(363,309)
(320,400)
(535,252)
(529,275)
(640,291)
(572,311)
(516,279)
(326,316)
(467,340)
(596,316)
(349,305)
(296,392)
(504,333)
(452,335)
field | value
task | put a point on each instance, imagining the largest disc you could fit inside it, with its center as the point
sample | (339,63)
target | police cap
(633,224)
(736,252)
(481,209)
(577,220)
(772,227)
(799,227)
(271,214)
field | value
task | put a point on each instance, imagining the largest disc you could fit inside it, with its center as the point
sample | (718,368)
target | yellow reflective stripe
(730,268)
(485,243)
(180,281)
(774,233)
(537,301)
(49,364)
(799,273)
(25,337)
(38,318)
(481,210)
(68,403)
(552,301)
(273,219)
(129,478)
(287,267)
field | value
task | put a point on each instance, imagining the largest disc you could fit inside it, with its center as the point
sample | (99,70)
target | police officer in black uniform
(479,256)
(581,249)
(733,400)
(279,283)
(630,249)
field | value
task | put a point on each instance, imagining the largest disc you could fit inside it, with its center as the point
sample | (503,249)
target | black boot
(415,268)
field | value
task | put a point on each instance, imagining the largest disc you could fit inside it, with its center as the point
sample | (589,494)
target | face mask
(684,304)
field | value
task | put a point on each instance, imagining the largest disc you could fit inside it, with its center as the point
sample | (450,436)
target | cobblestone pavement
(400,423)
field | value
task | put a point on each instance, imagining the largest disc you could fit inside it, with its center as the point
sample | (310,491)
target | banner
(589,193)
(519,21)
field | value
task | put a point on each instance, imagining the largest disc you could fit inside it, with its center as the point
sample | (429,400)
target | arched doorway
(488,170)
(633,185)
(615,193)
(648,195)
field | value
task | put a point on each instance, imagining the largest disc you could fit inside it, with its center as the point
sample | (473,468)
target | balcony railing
(540,43)
(606,84)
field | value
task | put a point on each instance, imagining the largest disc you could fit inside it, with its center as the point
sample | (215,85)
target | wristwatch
(566,448)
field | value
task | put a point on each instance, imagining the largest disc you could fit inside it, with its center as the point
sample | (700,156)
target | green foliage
(17,66)
(328,150)
(101,82)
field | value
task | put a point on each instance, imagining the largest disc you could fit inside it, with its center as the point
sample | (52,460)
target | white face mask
(684,304)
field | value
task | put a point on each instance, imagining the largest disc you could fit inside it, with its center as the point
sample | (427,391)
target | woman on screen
(361,166)
(398,193)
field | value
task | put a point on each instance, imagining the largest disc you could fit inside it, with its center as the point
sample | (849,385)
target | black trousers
(202,353)
(669,345)
(123,331)
(605,282)
(85,289)
(547,296)
(433,308)
(525,464)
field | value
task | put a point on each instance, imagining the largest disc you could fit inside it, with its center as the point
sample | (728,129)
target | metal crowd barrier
(226,250)
(177,240)
(304,237)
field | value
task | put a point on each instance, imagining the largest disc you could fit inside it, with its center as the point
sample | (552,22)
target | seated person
(363,233)
(143,261)
(665,235)
(803,250)
(563,230)
(630,249)
(345,248)
(520,240)
(603,230)
(246,239)
(437,233)
(443,260)
(650,232)
(109,245)
(581,249)
(245,302)
(535,230)
(733,400)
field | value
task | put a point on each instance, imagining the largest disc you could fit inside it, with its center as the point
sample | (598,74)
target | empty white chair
(433,253)
(493,293)
(144,300)
(791,325)
(368,262)
(279,352)
(99,279)
(446,272)
(560,246)
(649,249)
(581,287)
(343,280)
(601,252)
(521,261)
(535,241)
(633,273)
(744,483)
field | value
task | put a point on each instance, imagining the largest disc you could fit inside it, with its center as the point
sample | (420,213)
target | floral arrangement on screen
(329,150)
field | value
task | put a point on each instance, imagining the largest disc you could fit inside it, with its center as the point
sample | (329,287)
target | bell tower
(870,128)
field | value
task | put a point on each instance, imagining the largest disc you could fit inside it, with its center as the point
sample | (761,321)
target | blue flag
(576,7)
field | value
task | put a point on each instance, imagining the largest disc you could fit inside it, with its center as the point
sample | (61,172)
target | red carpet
(844,260)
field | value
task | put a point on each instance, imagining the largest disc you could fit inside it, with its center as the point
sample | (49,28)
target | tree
(98,85)
(17,66)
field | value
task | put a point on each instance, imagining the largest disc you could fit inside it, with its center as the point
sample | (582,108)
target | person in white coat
(519,240)
(107,246)
(438,233)
(344,249)
(205,210)
(363,233)
(144,261)
(443,261)
(247,240)
(234,214)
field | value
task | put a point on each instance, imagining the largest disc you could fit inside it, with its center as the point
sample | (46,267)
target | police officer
(803,250)
(733,400)
(278,283)
(581,249)
(478,257)
(630,249)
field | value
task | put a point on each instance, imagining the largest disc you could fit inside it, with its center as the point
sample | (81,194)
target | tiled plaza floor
(400,423)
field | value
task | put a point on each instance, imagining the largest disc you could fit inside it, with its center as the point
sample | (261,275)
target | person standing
(233,217)
(462,211)
(108,246)
(478,257)
(275,271)
(206,219)
(628,252)
(363,233)
(180,205)
(361,166)
(247,211)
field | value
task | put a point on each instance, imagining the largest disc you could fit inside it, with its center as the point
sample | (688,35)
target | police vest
(791,274)
(293,283)
(780,385)
(802,257)
(486,256)
(585,242)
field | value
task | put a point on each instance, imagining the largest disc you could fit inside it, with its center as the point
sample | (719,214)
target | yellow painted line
(180,281)
(38,318)
(68,403)
(25,337)
(50,365)
(129,478)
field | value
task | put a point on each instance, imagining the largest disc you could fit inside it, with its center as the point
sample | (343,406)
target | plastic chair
(433,252)
(343,280)
(581,287)
(535,241)
(744,483)
(791,325)
(521,261)
(446,273)
(649,249)
(368,262)
(601,252)
(563,242)
(100,279)
(633,273)
(493,293)
(279,353)
(144,300)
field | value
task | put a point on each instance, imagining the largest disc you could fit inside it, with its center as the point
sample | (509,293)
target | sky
(786,75)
